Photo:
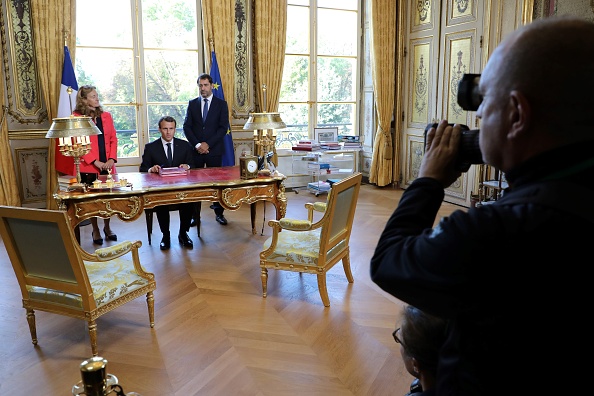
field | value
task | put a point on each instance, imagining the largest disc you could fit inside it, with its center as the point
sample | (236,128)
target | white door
(443,43)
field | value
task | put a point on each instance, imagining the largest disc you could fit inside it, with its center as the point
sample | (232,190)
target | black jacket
(154,154)
(507,276)
(212,131)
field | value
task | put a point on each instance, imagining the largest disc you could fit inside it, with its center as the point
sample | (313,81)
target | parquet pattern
(214,333)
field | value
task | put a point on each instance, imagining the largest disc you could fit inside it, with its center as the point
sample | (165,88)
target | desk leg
(253,216)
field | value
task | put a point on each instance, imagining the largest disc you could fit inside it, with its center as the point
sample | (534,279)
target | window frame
(293,133)
(141,103)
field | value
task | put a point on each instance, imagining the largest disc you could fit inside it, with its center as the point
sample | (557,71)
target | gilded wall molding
(243,101)
(23,90)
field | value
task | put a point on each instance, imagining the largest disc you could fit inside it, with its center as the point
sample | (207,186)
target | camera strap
(561,195)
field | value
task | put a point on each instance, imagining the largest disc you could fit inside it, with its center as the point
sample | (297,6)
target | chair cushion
(301,247)
(109,280)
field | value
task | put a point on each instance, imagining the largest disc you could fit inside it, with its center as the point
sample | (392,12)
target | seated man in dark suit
(169,151)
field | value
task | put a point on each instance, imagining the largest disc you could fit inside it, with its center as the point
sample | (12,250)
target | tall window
(144,63)
(321,70)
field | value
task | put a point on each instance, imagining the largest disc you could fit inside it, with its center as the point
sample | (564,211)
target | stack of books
(322,167)
(349,142)
(306,145)
(65,181)
(330,146)
(321,186)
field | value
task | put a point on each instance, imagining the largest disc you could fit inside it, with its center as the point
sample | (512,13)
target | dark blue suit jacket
(154,154)
(213,130)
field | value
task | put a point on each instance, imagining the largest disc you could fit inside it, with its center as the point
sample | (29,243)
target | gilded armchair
(56,275)
(314,247)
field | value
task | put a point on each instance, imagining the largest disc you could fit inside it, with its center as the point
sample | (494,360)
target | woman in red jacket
(103,154)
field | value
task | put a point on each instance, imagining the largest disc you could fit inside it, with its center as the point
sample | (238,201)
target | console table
(147,190)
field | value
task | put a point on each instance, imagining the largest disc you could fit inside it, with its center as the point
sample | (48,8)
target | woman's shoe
(111,237)
(98,241)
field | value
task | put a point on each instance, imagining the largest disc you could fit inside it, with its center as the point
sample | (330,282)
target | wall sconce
(73,140)
(264,126)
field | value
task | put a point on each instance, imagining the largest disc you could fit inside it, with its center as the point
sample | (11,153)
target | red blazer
(66,165)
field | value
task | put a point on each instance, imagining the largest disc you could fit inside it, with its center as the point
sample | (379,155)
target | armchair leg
(93,337)
(150,301)
(32,328)
(323,290)
(264,276)
(346,263)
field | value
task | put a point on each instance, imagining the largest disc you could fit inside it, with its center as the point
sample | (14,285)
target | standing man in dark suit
(205,126)
(166,152)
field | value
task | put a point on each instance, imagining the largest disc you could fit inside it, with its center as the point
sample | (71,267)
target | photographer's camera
(468,99)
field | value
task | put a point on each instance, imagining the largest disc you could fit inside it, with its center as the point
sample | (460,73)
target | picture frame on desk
(329,134)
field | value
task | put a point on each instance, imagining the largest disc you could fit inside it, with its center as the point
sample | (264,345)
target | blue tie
(205,110)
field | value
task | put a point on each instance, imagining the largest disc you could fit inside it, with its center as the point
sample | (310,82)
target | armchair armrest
(111,252)
(294,225)
(314,207)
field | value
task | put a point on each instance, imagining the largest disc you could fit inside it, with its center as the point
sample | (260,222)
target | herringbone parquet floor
(214,333)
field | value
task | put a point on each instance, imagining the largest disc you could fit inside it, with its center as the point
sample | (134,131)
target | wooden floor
(214,333)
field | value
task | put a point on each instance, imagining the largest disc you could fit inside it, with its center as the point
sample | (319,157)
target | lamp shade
(72,126)
(259,121)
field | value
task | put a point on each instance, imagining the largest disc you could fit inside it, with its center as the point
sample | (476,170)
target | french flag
(67,102)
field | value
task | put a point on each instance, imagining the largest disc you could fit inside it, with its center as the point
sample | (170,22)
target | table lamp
(73,140)
(264,126)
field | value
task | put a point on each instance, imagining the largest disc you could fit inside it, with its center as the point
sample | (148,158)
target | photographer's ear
(520,114)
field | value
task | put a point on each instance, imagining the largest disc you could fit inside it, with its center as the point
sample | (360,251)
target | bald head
(551,62)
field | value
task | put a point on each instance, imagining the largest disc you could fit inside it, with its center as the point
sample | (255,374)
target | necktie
(169,155)
(205,110)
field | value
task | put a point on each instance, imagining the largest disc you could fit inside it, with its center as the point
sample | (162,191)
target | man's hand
(203,148)
(441,150)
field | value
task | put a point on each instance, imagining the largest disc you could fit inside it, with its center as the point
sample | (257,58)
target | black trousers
(185,217)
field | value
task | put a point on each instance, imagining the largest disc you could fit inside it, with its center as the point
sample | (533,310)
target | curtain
(54,27)
(218,17)
(9,195)
(270,21)
(383,59)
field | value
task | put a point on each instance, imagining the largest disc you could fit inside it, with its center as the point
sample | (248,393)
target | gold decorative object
(73,140)
(96,381)
(264,126)
(248,166)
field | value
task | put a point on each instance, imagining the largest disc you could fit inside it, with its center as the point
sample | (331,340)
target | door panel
(438,56)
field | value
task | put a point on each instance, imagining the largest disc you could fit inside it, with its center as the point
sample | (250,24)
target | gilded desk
(147,190)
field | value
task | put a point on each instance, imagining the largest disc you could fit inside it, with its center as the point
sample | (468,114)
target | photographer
(503,274)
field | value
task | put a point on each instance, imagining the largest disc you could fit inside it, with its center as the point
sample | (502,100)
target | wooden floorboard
(214,334)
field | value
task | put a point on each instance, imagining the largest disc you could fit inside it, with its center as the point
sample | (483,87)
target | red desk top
(227,176)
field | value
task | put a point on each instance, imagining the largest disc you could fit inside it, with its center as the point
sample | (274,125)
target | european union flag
(229,154)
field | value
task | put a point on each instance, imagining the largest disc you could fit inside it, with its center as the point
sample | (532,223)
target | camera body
(469,152)
(469,99)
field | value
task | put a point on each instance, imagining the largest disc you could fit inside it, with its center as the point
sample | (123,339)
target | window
(144,63)
(321,69)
